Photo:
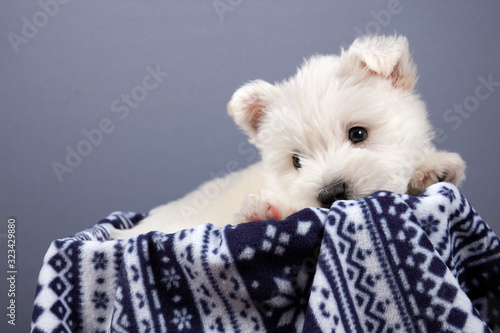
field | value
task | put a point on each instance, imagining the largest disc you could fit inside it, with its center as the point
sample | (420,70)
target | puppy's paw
(437,167)
(264,206)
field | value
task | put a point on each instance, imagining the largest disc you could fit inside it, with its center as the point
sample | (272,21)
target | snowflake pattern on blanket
(386,263)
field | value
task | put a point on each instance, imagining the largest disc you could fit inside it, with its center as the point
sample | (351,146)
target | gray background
(65,78)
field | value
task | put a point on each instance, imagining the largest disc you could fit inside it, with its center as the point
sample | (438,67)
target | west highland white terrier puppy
(344,127)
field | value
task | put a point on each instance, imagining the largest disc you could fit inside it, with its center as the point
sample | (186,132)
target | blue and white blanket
(386,263)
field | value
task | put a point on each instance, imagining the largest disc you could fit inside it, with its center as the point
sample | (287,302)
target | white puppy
(343,127)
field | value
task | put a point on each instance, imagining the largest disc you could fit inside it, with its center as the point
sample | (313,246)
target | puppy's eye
(357,134)
(296,161)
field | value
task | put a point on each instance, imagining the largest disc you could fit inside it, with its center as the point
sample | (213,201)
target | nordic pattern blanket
(386,263)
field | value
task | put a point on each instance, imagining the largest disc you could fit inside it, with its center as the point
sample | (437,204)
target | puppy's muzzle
(331,193)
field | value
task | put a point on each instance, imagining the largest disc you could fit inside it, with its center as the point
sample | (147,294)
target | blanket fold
(385,263)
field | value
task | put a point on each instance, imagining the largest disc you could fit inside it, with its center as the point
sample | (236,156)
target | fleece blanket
(386,263)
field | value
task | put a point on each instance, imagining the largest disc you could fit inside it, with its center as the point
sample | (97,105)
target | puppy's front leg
(266,205)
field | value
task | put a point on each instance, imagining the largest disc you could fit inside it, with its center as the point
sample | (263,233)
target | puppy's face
(344,127)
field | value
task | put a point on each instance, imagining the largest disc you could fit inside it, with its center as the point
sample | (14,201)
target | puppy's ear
(250,103)
(388,57)
(437,167)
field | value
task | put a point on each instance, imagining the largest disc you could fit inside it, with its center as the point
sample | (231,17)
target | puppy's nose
(329,194)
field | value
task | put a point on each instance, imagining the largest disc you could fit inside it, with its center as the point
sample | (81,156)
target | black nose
(329,194)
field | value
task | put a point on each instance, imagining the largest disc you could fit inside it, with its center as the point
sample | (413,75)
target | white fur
(370,86)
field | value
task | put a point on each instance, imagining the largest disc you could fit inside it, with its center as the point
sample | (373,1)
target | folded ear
(388,57)
(249,104)
(437,167)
